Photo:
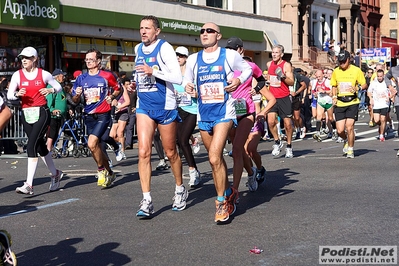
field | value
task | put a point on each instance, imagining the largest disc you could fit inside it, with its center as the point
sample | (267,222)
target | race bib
(31,114)
(183,99)
(212,92)
(275,81)
(345,87)
(92,95)
(241,107)
(146,83)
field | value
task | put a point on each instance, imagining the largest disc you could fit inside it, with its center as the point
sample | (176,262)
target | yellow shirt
(345,81)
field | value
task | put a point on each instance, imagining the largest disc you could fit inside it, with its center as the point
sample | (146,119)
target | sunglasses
(26,57)
(370,72)
(180,55)
(208,30)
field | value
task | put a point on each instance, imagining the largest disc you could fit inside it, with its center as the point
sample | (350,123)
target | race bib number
(345,87)
(92,95)
(146,83)
(183,99)
(275,81)
(212,92)
(241,107)
(31,114)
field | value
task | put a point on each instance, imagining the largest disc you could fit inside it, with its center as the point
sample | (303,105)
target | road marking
(38,208)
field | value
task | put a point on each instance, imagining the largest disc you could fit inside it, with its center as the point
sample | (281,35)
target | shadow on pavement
(63,253)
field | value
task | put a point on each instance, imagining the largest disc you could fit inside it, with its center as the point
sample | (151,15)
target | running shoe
(146,208)
(276,149)
(25,189)
(55,180)
(110,164)
(372,124)
(119,156)
(335,135)
(102,179)
(289,153)
(234,198)
(252,183)
(339,140)
(109,179)
(382,138)
(196,146)
(397,154)
(316,136)
(162,165)
(345,148)
(261,175)
(195,178)
(350,154)
(7,257)
(179,200)
(118,150)
(303,133)
(223,210)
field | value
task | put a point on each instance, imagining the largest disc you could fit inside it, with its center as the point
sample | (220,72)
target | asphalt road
(315,199)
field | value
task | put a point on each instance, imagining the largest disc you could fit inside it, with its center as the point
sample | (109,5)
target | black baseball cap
(234,43)
(343,55)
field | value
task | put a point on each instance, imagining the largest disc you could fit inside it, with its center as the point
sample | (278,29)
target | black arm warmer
(261,83)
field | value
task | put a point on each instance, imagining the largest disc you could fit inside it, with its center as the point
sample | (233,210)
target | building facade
(63,30)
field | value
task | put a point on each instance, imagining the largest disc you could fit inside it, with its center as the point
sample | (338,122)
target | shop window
(83,44)
(393,34)
(99,44)
(217,3)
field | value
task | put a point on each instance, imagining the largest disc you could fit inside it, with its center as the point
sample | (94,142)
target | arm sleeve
(170,68)
(48,79)
(14,85)
(189,74)
(235,60)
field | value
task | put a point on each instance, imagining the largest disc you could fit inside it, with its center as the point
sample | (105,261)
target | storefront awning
(271,37)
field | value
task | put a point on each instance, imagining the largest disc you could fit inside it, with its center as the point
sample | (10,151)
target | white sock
(179,188)
(32,165)
(48,161)
(147,196)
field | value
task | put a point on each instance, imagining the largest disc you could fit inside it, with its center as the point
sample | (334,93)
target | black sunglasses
(208,30)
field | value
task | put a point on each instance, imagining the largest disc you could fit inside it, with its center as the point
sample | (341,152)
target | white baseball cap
(28,52)
(182,50)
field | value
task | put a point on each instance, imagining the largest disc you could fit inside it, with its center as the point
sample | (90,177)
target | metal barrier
(14,130)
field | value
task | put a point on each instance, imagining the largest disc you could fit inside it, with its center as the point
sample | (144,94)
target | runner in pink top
(245,111)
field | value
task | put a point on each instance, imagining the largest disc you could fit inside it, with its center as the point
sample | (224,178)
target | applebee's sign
(31,13)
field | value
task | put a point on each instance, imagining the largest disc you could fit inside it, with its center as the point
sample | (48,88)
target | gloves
(279,73)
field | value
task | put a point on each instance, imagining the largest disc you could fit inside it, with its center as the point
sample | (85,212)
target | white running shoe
(196,146)
(276,149)
(288,153)
(162,165)
(303,133)
(252,183)
(146,208)
(55,180)
(121,155)
(195,178)
(179,200)
(25,189)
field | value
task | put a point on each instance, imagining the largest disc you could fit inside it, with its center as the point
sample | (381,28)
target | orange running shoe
(222,213)
(233,198)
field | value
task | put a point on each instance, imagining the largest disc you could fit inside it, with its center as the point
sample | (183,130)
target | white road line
(38,208)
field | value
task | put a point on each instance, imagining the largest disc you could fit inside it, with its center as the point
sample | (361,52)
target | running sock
(220,198)
(179,188)
(100,168)
(48,161)
(318,125)
(228,192)
(333,124)
(277,142)
(147,196)
(289,146)
(350,148)
(32,165)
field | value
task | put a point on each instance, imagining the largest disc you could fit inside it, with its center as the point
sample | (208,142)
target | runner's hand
(233,84)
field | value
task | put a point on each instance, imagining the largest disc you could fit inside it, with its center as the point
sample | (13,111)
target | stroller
(73,139)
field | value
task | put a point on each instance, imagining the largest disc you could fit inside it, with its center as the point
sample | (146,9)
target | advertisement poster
(376,55)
